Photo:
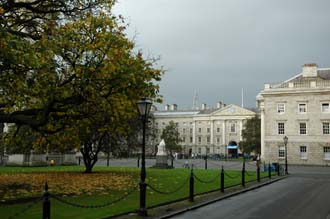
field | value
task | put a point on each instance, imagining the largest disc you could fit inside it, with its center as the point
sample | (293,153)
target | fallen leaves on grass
(23,185)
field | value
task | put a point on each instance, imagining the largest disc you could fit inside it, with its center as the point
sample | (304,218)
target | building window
(191,139)
(325,108)
(208,130)
(326,153)
(199,140)
(280,108)
(302,128)
(232,127)
(207,150)
(303,152)
(191,131)
(326,128)
(218,140)
(302,108)
(208,139)
(184,123)
(183,139)
(218,130)
(281,152)
(280,128)
(183,130)
(199,150)
(199,130)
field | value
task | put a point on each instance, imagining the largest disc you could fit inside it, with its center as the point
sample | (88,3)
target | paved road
(305,194)
(197,163)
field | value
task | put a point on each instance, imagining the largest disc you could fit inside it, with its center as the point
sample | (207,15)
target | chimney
(309,70)
(219,105)
(204,106)
(167,107)
(174,107)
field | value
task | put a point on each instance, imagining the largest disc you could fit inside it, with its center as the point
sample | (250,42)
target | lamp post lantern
(144,106)
(285,139)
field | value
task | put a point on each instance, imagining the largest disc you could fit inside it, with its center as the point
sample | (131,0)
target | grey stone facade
(205,131)
(298,108)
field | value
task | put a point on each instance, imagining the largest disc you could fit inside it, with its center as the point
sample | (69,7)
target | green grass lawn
(165,180)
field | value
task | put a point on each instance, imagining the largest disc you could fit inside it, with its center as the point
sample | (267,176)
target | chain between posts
(171,192)
(232,177)
(25,208)
(210,181)
(93,206)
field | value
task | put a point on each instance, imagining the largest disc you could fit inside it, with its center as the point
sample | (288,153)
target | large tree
(69,73)
(171,136)
(251,136)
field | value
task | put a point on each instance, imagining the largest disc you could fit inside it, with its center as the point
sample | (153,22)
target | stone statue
(161,150)
(161,156)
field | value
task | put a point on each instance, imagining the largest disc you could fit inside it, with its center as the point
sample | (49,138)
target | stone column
(241,129)
(212,134)
(194,132)
(262,110)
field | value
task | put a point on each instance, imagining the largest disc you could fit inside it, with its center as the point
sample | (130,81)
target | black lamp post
(285,139)
(143,106)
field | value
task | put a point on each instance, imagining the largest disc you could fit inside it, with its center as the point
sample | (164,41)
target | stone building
(298,108)
(208,130)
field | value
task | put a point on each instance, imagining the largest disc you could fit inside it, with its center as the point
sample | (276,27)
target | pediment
(233,110)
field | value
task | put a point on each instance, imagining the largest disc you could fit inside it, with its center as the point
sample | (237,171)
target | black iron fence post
(191,186)
(205,162)
(222,180)
(269,171)
(258,173)
(243,173)
(46,204)
(278,169)
(138,161)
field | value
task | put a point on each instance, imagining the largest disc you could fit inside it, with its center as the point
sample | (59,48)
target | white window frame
(302,129)
(327,109)
(326,151)
(303,152)
(280,130)
(280,108)
(326,128)
(281,152)
(302,110)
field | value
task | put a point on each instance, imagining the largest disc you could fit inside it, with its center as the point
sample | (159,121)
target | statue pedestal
(161,162)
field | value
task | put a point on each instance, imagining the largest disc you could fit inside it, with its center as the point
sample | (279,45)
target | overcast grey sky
(217,47)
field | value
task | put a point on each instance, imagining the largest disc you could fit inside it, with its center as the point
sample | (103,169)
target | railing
(305,84)
(188,183)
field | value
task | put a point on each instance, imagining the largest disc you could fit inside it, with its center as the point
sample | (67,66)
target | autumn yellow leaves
(25,185)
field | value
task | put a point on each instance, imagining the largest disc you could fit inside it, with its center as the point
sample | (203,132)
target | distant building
(208,130)
(298,108)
